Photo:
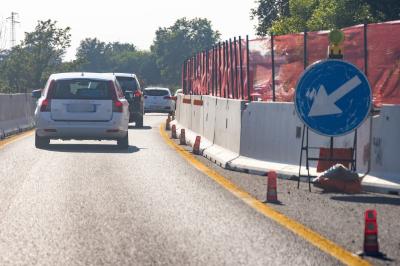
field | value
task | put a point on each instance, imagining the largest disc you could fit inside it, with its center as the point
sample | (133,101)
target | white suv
(158,100)
(82,106)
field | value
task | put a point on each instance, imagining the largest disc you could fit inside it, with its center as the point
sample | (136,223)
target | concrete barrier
(385,159)
(263,136)
(209,104)
(228,124)
(16,113)
(178,105)
(227,130)
(197,119)
(186,111)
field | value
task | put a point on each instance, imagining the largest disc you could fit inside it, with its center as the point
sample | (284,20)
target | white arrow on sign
(324,104)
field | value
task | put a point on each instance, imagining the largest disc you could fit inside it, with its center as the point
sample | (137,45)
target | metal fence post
(231,65)
(184,77)
(219,69)
(214,79)
(273,67)
(236,74)
(241,67)
(305,54)
(366,49)
(248,67)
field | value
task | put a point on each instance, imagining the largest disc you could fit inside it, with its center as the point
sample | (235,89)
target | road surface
(88,203)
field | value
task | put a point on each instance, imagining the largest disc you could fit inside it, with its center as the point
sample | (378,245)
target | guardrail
(16,113)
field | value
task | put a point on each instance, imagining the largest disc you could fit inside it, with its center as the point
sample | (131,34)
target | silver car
(82,106)
(158,100)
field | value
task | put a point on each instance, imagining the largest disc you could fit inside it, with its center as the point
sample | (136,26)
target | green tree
(96,56)
(92,55)
(27,66)
(174,44)
(267,12)
(46,45)
(14,71)
(321,14)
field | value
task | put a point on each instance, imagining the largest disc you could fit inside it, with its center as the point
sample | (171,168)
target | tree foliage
(94,55)
(282,17)
(267,12)
(174,44)
(27,65)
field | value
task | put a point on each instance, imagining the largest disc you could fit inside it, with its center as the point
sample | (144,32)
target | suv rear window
(156,92)
(128,83)
(82,89)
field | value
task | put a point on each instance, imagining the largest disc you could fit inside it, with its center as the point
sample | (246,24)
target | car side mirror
(128,95)
(37,94)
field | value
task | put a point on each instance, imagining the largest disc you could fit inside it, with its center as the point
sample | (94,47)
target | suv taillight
(117,105)
(138,93)
(46,103)
(168,97)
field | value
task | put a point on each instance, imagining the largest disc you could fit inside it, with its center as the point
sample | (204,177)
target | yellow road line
(15,138)
(304,232)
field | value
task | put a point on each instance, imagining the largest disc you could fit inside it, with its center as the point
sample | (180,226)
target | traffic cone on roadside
(173,132)
(182,138)
(167,123)
(196,146)
(272,194)
(371,245)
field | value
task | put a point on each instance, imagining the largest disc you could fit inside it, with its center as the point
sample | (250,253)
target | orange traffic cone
(196,146)
(173,132)
(182,139)
(371,245)
(272,194)
(167,125)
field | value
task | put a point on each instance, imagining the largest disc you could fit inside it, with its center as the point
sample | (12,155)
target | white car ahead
(82,106)
(158,100)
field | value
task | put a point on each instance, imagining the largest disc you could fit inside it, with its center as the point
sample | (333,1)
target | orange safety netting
(272,74)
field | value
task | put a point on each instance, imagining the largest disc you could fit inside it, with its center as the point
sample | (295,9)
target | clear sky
(123,20)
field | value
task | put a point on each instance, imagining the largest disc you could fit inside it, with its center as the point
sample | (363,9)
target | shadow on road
(369,199)
(91,148)
(140,128)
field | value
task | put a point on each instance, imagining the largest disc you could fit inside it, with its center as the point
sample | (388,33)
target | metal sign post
(333,98)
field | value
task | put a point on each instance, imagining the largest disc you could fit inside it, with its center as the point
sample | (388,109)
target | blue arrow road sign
(333,97)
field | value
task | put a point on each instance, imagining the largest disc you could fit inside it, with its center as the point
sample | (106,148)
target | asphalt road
(88,203)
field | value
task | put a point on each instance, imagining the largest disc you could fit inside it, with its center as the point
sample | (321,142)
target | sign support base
(305,153)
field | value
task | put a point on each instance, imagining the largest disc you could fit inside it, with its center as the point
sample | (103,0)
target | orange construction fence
(268,68)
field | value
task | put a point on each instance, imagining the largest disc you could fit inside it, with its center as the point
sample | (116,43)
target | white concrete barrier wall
(228,124)
(186,112)
(209,104)
(197,119)
(16,113)
(272,132)
(385,157)
(178,105)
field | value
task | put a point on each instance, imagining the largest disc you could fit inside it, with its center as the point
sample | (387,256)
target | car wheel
(139,122)
(41,142)
(123,143)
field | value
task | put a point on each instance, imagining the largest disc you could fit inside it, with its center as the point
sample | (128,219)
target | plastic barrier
(16,113)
